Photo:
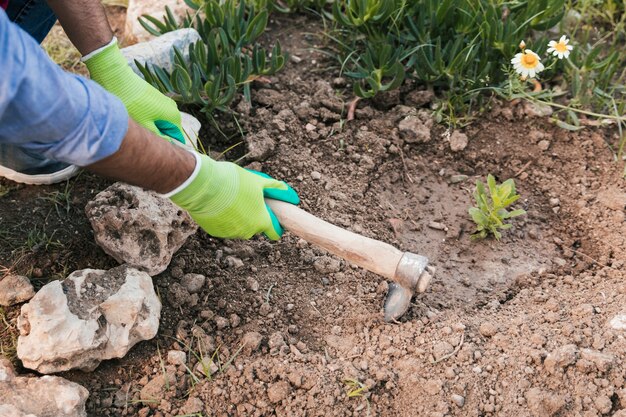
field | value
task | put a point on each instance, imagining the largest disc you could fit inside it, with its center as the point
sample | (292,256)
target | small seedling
(491,212)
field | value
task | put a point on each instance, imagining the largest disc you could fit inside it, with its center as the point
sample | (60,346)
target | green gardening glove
(145,104)
(227,200)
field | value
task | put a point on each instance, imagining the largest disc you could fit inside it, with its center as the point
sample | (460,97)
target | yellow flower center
(529,61)
(561,47)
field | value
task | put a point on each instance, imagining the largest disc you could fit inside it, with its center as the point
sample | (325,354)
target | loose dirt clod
(15,289)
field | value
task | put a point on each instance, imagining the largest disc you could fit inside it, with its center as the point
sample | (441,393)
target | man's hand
(227,201)
(145,104)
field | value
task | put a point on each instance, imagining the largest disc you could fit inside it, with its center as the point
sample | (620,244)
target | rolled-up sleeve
(60,115)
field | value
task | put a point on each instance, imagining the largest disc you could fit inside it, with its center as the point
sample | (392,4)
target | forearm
(85,23)
(147,161)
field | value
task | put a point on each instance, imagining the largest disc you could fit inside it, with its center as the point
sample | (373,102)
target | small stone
(533,109)
(442,349)
(414,130)
(278,391)
(251,342)
(152,393)
(233,262)
(488,329)
(15,289)
(221,322)
(555,202)
(276,340)
(265,309)
(544,145)
(252,284)
(327,265)
(193,283)
(206,367)
(454,179)
(289,307)
(458,141)
(437,226)
(602,361)
(176,357)
(310,127)
(316,176)
(235,320)
(560,358)
(457,399)
(618,322)
(193,406)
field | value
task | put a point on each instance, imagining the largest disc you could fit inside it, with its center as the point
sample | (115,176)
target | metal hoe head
(412,275)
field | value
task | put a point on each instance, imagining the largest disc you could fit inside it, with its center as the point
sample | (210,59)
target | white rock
(160,51)
(90,316)
(618,322)
(176,357)
(458,141)
(134,32)
(35,397)
(413,129)
(15,289)
(138,227)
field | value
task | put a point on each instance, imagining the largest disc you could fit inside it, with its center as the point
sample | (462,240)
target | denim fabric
(33,16)
(48,113)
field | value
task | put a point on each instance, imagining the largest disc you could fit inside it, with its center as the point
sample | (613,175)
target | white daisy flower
(560,48)
(527,64)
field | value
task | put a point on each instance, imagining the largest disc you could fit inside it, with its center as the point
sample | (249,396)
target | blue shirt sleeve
(44,109)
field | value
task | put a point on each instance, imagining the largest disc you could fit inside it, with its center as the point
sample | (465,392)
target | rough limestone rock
(160,51)
(138,227)
(133,31)
(15,289)
(38,397)
(90,316)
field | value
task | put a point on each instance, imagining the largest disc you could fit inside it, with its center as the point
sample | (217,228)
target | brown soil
(490,325)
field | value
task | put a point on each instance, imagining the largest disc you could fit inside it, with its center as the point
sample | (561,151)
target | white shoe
(39,179)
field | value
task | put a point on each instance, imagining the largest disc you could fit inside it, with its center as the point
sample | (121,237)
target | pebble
(176,357)
(442,349)
(327,265)
(459,400)
(15,289)
(309,127)
(544,145)
(235,320)
(276,340)
(289,307)
(221,322)
(488,329)
(251,341)
(458,141)
(252,284)
(437,226)
(618,322)
(233,262)
(316,176)
(265,309)
(555,202)
(193,282)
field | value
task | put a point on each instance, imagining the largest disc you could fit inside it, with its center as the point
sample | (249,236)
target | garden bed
(478,342)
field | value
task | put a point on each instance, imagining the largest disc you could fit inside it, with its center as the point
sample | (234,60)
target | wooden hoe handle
(381,258)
